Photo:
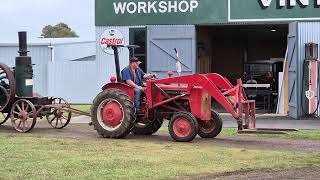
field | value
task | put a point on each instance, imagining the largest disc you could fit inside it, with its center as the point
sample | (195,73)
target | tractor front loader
(185,101)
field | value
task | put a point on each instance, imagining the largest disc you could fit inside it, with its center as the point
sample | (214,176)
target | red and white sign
(111,37)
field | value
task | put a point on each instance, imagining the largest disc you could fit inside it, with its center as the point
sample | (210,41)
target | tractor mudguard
(121,86)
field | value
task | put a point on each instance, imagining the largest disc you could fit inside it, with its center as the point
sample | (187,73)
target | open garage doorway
(247,52)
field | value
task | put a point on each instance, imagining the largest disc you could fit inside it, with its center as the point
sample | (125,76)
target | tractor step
(256,131)
(266,131)
(277,129)
(140,114)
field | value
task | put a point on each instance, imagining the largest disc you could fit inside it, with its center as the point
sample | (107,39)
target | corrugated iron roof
(49,41)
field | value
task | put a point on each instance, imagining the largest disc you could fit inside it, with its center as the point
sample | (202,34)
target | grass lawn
(44,158)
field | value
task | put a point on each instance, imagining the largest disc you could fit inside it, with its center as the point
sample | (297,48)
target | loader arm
(214,84)
(220,81)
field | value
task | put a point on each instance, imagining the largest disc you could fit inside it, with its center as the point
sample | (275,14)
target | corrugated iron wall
(74,81)
(307,32)
(41,55)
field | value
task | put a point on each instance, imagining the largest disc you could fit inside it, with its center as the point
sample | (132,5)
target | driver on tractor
(133,75)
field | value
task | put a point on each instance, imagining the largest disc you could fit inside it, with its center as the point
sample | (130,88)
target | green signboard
(145,12)
(202,12)
(273,10)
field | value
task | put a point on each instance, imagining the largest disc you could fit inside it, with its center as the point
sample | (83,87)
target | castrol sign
(111,37)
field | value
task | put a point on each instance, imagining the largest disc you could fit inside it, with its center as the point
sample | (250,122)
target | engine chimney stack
(23,51)
(23,69)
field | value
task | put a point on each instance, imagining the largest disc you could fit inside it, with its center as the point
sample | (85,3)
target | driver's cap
(134,59)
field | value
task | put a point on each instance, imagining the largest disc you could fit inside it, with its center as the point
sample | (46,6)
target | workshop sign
(145,12)
(273,10)
(154,7)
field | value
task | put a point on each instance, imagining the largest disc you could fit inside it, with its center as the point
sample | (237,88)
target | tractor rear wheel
(211,128)
(183,127)
(113,114)
(147,129)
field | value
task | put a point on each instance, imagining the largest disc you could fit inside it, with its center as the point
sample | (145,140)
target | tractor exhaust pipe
(23,69)
(117,63)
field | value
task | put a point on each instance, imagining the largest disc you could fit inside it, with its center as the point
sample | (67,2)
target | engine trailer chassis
(25,111)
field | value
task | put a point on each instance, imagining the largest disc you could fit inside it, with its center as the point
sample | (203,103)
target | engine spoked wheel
(211,128)
(4,118)
(23,116)
(7,87)
(59,118)
(183,127)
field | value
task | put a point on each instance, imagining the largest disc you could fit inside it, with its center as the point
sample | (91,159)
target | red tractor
(185,101)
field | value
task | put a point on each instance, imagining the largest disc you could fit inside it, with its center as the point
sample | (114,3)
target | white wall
(74,81)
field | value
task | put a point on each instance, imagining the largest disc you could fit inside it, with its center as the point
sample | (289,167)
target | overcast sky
(33,15)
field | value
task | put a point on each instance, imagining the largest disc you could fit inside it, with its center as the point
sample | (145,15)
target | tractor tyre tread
(129,113)
(218,124)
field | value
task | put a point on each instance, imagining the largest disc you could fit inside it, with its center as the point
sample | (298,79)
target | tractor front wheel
(113,114)
(211,128)
(183,127)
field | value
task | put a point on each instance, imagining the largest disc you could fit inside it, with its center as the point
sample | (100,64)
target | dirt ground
(84,131)
(312,173)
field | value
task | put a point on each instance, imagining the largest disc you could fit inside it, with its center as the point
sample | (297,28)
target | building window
(138,37)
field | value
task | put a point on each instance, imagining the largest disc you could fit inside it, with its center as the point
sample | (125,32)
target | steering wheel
(154,77)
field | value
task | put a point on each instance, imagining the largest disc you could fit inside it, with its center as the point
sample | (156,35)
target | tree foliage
(60,30)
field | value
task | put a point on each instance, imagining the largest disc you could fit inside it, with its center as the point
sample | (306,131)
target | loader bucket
(245,109)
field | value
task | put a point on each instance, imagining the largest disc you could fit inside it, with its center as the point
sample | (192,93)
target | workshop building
(229,37)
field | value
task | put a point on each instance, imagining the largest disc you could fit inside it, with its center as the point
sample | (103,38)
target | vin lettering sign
(273,10)
(159,12)
(291,3)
